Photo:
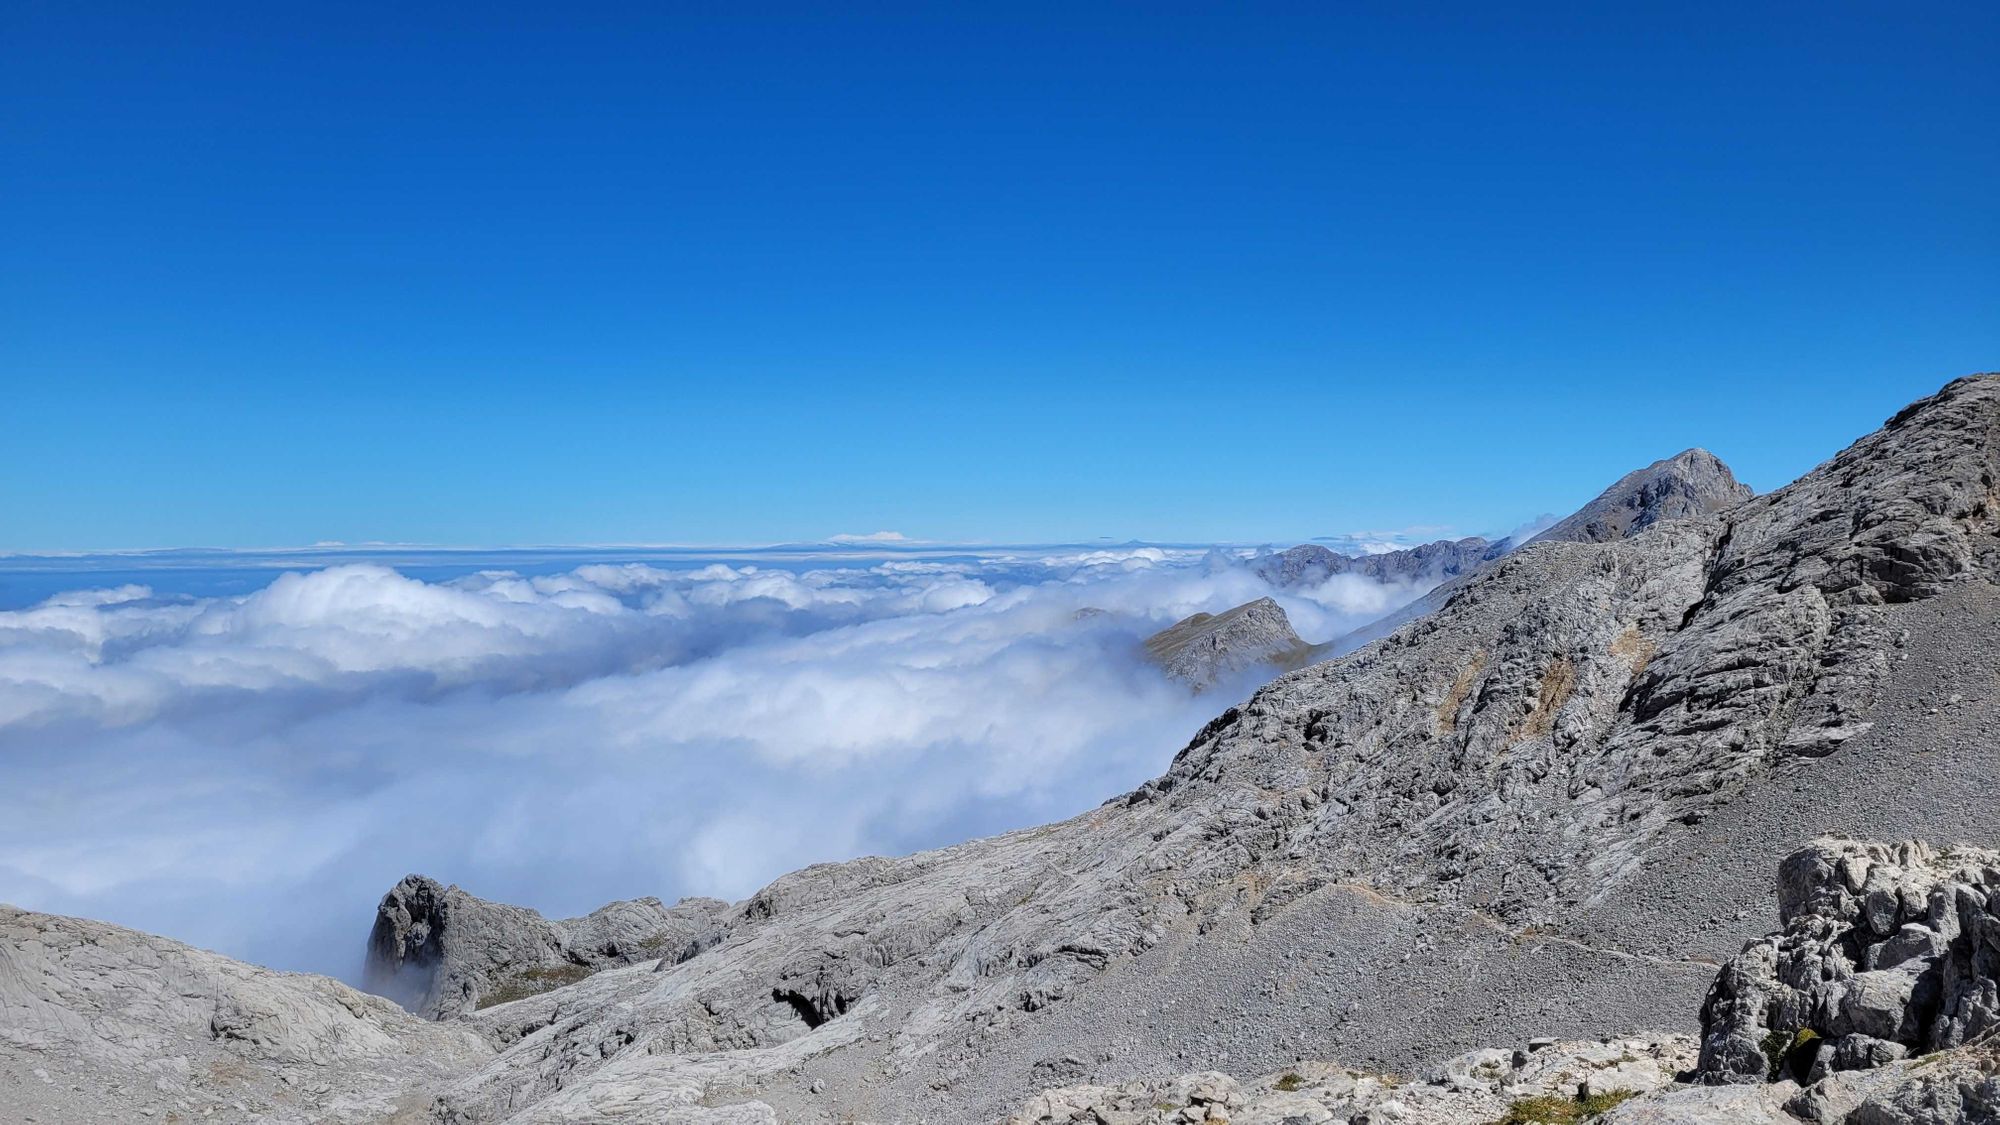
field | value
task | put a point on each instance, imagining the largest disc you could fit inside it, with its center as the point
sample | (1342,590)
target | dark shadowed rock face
(1207,648)
(441,952)
(1692,483)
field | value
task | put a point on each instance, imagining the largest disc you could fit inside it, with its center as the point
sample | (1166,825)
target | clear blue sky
(281,273)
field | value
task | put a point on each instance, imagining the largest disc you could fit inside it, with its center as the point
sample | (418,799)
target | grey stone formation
(442,952)
(1310,564)
(100,1023)
(1690,484)
(1886,953)
(1550,807)
(1206,648)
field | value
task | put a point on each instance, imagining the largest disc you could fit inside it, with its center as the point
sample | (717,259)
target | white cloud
(251,772)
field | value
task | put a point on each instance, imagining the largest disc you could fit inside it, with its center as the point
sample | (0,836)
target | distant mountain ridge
(1311,564)
(1205,649)
(1693,482)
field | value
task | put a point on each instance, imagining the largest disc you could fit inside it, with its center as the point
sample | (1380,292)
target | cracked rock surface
(442,952)
(1887,953)
(101,1022)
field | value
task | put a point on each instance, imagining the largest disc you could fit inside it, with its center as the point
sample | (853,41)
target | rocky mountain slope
(1691,483)
(1208,648)
(1548,808)
(1457,803)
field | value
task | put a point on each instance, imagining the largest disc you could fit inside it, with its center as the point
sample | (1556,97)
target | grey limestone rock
(1690,484)
(1206,648)
(442,952)
(1887,952)
(118,1025)
(1310,564)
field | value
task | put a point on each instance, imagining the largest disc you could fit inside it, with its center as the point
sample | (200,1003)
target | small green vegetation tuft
(1779,1046)
(1289,1082)
(1554,1109)
(534,982)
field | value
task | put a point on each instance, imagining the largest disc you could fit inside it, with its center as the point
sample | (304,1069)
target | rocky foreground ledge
(1877,1004)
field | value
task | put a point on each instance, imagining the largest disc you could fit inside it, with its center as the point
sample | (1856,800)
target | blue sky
(277,274)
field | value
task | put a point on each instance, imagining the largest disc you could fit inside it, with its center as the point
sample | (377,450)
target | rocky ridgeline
(1310,564)
(1209,648)
(1690,484)
(441,952)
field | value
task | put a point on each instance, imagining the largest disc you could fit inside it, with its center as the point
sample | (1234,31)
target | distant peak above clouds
(1693,482)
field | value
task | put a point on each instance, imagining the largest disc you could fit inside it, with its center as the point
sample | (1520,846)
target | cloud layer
(250,773)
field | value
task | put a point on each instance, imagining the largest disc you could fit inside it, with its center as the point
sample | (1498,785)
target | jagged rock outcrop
(1887,952)
(98,1022)
(442,952)
(1310,564)
(1208,648)
(1688,485)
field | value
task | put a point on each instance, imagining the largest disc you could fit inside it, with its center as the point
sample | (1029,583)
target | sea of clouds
(249,772)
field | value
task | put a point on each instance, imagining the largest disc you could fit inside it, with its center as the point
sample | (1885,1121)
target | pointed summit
(1209,647)
(1693,482)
